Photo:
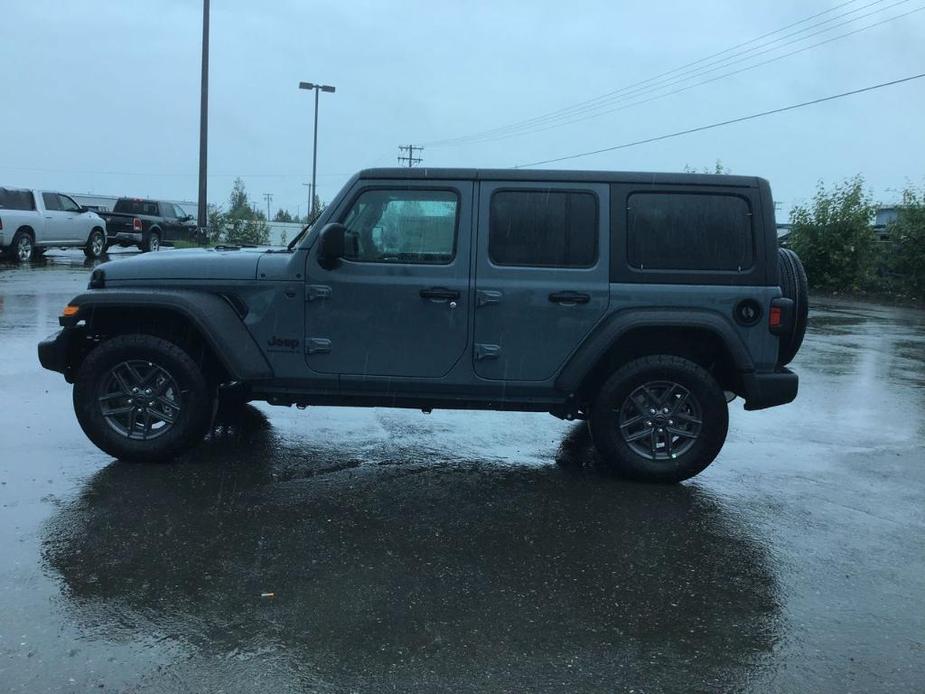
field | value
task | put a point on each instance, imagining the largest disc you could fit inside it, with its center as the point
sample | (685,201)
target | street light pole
(314,187)
(203,213)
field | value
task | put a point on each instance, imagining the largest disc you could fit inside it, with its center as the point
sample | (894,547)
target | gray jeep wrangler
(639,302)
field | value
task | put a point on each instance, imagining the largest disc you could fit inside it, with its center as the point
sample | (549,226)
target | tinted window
(51,201)
(402,226)
(543,228)
(689,231)
(136,207)
(179,212)
(67,204)
(16,200)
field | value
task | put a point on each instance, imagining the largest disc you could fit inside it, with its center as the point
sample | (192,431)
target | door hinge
(317,345)
(487,351)
(484,297)
(317,291)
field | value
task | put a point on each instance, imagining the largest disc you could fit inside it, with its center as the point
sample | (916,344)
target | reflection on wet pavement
(385,550)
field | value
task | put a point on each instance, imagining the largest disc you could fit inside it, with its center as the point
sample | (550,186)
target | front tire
(142,398)
(96,244)
(659,419)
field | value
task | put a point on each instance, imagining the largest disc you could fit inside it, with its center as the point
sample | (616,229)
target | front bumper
(769,389)
(54,351)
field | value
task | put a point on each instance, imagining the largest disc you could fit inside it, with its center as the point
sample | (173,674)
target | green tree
(834,238)
(243,224)
(319,208)
(283,216)
(907,243)
(717,168)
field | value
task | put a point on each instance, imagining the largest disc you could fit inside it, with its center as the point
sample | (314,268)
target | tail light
(780,316)
(1,225)
(136,224)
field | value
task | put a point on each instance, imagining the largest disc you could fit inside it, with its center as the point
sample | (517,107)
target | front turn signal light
(70,311)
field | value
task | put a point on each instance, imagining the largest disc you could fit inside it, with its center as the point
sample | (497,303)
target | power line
(710,80)
(410,158)
(701,128)
(582,105)
(674,76)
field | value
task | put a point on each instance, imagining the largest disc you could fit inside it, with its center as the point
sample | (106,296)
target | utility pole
(311,201)
(410,158)
(268,197)
(318,88)
(203,216)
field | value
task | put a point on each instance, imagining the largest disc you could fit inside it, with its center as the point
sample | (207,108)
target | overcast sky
(103,96)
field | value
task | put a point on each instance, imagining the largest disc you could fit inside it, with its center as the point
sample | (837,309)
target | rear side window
(136,207)
(689,231)
(16,200)
(51,201)
(543,228)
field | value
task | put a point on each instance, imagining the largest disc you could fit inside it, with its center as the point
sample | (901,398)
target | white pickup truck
(31,221)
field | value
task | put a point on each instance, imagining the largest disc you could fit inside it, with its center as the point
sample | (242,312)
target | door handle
(439,293)
(569,298)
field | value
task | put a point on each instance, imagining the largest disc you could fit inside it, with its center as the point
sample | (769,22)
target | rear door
(542,275)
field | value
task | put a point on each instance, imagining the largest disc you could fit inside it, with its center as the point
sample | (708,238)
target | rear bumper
(769,389)
(53,351)
(124,237)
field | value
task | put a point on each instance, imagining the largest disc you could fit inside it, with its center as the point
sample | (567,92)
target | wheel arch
(27,229)
(701,336)
(201,322)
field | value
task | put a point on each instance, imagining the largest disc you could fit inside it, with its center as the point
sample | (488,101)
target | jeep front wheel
(142,398)
(659,419)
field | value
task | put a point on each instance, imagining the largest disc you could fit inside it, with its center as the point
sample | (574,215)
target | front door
(397,304)
(542,275)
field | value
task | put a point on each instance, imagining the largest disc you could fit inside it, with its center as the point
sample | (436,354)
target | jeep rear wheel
(659,419)
(142,398)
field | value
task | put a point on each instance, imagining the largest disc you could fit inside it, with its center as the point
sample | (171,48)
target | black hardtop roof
(637,177)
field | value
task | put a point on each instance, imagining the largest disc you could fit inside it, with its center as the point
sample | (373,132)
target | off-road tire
(96,245)
(793,286)
(197,399)
(618,456)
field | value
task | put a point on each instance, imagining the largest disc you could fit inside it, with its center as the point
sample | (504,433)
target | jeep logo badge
(286,342)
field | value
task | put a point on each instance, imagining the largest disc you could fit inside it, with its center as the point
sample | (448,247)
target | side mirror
(331,246)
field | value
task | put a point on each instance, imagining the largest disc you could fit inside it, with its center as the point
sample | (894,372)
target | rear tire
(793,286)
(96,244)
(22,249)
(659,419)
(151,242)
(142,398)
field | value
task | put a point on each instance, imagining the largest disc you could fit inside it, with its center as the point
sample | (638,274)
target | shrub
(833,236)
(907,243)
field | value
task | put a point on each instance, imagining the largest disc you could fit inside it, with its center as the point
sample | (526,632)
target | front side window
(543,228)
(67,204)
(689,231)
(402,226)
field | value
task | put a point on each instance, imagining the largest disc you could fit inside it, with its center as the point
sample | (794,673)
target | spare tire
(792,278)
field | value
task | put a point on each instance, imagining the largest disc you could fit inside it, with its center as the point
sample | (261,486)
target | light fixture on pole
(314,191)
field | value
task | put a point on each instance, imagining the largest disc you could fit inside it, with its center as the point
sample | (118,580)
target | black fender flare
(211,314)
(614,326)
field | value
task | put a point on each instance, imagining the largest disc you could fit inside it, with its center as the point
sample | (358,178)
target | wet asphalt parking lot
(376,550)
